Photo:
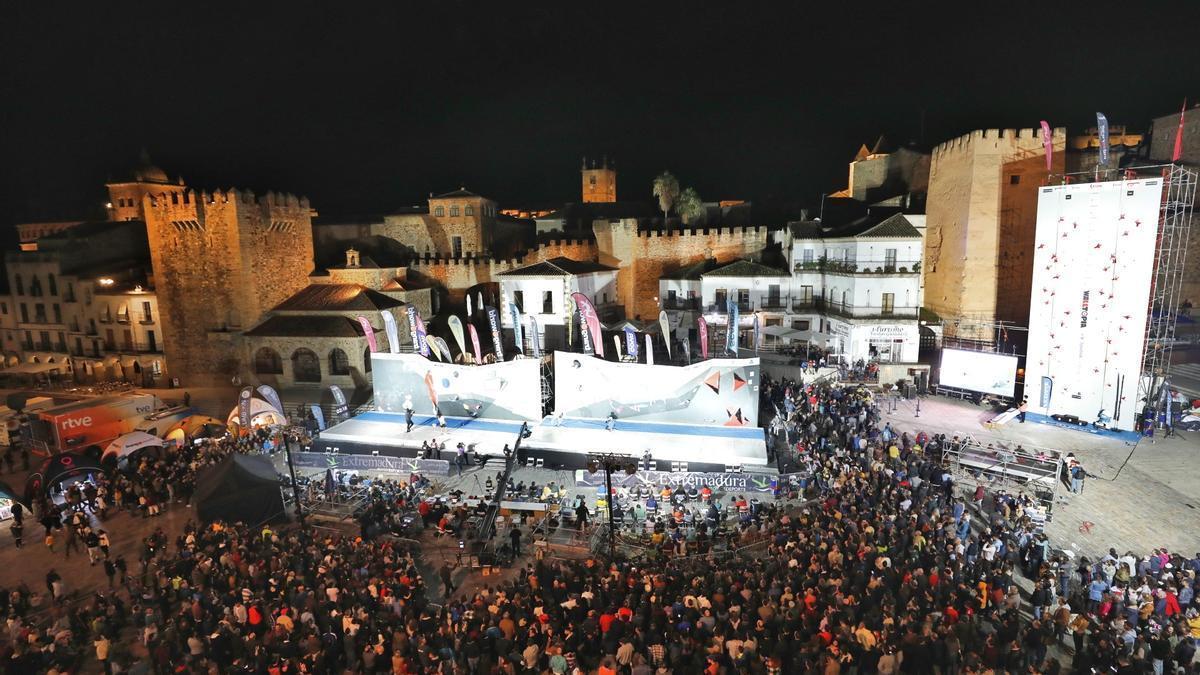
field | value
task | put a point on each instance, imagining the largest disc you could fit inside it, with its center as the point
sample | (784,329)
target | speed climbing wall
(1093,263)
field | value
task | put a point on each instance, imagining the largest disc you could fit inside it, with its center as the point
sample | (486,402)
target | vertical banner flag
(1047,390)
(570,316)
(731,331)
(393,335)
(515,314)
(1047,142)
(475,343)
(318,416)
(617,345)
(422,335)
(587,312)
(432,392)
(411,312)
(339,401)
(271,396)
(649,350)
(757,332)
(245,399)
(494,325)
(687,352)
(456,330)
(535,343)
(434,350)
(445,348)
(665,327)
(1102,132)
(631,342)
(468,305)
(1178,152)
(479,303)
(369,331)
(703,326)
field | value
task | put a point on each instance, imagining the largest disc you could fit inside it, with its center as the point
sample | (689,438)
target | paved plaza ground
(1151,502)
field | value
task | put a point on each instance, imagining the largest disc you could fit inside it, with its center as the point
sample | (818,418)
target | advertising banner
(469,312)
(728,482)
(393,335)
(703,331)
(494,325)
(447,356)
(515,314)
(535,343)
(411,312)
(1047,392)
(1102,132)
(245,398)
(617,345)
(731,331)
(340,407)
(369,332)
(1177,153)
(503,391)
(649,350)
(1047,142)
(402,466)
(271,396)
(433,397)
(665,326)
(318,415)
(631,342)
(587,312)
(687,352)
(434,349)
(456,330)
(422,335)
(475,343)
(757,332)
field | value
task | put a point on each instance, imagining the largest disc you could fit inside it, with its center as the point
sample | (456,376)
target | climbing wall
(1093,261)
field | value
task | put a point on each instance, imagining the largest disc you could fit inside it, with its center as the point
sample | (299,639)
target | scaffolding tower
(1174,226)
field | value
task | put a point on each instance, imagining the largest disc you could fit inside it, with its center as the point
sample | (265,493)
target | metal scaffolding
(999,464)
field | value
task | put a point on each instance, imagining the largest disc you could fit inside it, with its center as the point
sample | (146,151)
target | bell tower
(599,183)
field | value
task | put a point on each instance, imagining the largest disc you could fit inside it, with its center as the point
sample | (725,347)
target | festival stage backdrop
(978,371)
(511,390)
(1092,266)
(720,392)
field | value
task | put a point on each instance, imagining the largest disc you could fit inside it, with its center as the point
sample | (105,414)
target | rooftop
(746,268)
(558,267)
(460,192)
(336,298)
(691,272)
(327,326)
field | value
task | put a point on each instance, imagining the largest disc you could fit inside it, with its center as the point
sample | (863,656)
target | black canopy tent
(241,488)
(57,468)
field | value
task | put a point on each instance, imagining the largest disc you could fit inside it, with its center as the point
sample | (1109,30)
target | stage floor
(562,443)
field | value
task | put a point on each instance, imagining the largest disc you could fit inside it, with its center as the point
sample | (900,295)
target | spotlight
(593,466)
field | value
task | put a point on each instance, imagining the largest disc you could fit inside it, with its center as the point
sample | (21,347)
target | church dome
(147,172)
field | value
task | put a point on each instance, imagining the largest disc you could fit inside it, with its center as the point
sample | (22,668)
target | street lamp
(609,461)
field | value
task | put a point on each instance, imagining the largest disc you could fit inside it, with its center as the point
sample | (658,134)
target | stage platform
(560,442)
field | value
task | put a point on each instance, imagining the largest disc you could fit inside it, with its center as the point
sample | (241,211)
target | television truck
(91,424)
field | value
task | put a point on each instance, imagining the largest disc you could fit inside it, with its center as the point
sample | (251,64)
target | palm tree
(666,188)
(689,205)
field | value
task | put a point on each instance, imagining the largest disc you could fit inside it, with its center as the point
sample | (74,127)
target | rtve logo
(85,421)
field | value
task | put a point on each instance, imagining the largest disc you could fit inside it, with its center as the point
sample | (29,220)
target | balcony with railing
(880,266)
(852,311)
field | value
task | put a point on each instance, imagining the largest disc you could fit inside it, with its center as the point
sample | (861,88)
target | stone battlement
(271,200)
(733,232)
(1018,138)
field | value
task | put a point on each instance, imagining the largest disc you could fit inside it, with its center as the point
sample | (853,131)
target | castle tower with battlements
(599,183)
(222,259)
(980,220)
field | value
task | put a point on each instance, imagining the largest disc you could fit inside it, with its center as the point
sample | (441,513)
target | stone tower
(125,196)
(221,261)
(599,184)
(981,216)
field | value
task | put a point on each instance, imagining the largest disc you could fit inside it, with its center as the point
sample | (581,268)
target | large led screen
(718,392)
(511,390)
(1092,266)
(979,371)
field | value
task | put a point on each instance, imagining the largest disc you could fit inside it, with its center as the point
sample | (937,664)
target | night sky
(367,108)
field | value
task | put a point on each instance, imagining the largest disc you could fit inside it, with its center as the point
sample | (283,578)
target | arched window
(367,360)
(268,362)
(339,363)
(306,367)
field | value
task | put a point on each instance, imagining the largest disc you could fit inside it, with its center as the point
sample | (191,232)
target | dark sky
(369,107)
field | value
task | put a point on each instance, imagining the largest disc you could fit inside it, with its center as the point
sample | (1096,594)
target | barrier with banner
(399,465)
(726,482)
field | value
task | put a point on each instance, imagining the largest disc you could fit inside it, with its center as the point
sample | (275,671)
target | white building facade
(542,290)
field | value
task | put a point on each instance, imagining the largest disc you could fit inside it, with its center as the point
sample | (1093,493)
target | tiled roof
(558,267)
(460,192)
(746,268)
(336,298)
(896,226)
(328,326)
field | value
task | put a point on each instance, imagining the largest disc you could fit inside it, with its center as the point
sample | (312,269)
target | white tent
(130,443)
(262,414)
